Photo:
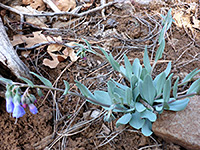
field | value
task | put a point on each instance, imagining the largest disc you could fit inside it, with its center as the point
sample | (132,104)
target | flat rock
(183,127)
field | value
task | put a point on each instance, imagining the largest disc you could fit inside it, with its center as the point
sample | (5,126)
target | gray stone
(183,127)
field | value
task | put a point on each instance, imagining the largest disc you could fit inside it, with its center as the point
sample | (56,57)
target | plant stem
(69,92)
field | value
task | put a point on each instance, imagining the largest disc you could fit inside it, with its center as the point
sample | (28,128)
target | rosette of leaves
(145,97)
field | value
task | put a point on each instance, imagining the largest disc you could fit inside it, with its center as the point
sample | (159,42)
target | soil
(66,123)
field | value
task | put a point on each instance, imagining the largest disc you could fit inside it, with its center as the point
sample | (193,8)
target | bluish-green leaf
(122,70)
(146,60)
(6,80)
(128,67)
(120,85)
(147,90)
(105,53)
(166,90)
(160,50)
(114,63)
(103,97)
(66,87)
(144,73)
(146,128)
(175,88)
(195,87)
(29,82)
(84,90)
(149,115)
(140,107)
(190,75)
(44,80)
(159,82)
(162,34)
(136,121)
(123,120)
(134,80)
(128,96)
(137,68)
(178,105)
(168,69)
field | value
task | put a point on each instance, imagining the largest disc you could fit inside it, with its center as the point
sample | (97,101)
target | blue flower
(9,104)
(33,109)
(18,110)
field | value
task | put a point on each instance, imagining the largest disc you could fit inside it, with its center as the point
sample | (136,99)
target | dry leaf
(37,38)
(36,4)
(65,5)
(51,63)
(33,20)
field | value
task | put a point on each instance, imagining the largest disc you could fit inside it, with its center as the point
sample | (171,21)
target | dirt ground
(66,123)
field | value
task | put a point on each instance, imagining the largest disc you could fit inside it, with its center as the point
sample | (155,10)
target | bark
(9,60)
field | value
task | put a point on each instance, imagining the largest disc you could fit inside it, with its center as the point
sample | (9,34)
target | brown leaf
(51,63)
(65,5)
(36,4)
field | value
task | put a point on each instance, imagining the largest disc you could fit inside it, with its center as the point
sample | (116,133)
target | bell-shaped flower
(33,109)
(9,104)
(18,110)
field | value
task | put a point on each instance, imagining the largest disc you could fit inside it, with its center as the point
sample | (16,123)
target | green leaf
(159,82)
(105,53)
(29,82)
(136,121)
(168,69)
(122,70)
(120,85)
(114,63)
(134,80)
(44,80)
(144,73)
(162,34)
(123,120)
(149,115)
(128,96)
(140,107)
(103,97)
(66,87)
(146,60)
(6,80)
(84,90)
(147,90)
(190,75)
(166,92)
(137,68)
(128,67)
(136,93)
(195,87)
(146,128)
(175,88)
(178,105)
(160,51)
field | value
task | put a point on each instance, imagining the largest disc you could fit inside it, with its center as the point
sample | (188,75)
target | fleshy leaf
(160,50)
(137,68)
(128,96)
(175,88)
(195,87)
(6,80)
(159,82)
(140,107)
(84,90)
(123,120)
(190,75)
(146,128)
(178,105)
(166,92)
(44,80)
(149,115)
(66,87)
(168,69)
(29,82)
(147,89)
(146,60)
(128,67)
(136,121)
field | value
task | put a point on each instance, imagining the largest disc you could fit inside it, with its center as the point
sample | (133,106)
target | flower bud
(33,109)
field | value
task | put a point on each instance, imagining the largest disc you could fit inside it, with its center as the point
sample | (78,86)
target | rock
(183,127)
